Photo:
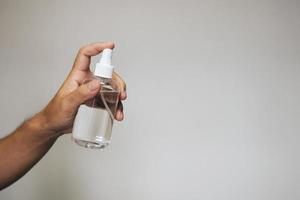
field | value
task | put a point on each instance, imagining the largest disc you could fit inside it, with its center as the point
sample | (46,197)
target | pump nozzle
(104,67)
(106,57)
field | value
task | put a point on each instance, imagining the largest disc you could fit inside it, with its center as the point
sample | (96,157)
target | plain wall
(213,97)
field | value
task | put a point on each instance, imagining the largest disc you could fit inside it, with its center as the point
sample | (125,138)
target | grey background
(213,109)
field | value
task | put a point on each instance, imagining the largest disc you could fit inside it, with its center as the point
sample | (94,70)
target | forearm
(22,149)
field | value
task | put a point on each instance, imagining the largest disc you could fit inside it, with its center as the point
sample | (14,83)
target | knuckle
(82,50)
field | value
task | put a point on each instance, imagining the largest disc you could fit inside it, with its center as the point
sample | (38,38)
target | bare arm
(23,148)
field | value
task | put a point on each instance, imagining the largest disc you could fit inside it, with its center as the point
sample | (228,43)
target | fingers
(121,86)
(82,94)
(119,115)
(123,95)
(83,58)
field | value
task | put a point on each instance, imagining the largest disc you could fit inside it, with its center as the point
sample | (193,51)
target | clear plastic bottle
(94,120)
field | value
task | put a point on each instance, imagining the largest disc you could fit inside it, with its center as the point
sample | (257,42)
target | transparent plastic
(94,120)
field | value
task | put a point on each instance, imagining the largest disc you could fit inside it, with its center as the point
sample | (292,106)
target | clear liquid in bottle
(94,120)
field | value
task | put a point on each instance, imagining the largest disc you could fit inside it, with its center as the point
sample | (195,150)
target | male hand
(59,114)
(23,148)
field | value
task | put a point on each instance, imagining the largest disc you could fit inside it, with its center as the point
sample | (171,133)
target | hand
(23,148)
(60,113)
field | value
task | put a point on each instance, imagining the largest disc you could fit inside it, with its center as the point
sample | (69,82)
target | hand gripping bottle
(94,120)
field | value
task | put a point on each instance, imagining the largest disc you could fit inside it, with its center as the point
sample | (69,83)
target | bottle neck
(102,80)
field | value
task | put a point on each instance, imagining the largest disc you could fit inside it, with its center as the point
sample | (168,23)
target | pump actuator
(103,67)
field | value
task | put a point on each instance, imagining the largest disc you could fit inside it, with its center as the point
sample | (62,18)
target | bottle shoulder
(107,84)
(111,85)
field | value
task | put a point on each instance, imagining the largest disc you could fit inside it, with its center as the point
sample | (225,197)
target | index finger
(83,58)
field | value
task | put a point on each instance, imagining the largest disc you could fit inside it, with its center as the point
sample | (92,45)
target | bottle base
(90,145)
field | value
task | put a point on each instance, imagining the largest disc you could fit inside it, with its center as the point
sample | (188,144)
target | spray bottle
(94,120)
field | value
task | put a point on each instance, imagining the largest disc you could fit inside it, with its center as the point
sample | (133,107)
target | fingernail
(93,85)
(120,115)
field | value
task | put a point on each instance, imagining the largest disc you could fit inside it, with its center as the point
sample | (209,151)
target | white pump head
(103,67)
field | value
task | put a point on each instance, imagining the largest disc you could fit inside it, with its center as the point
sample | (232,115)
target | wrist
(38,126)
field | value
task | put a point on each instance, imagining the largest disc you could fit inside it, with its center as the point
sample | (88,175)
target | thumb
(83,93)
